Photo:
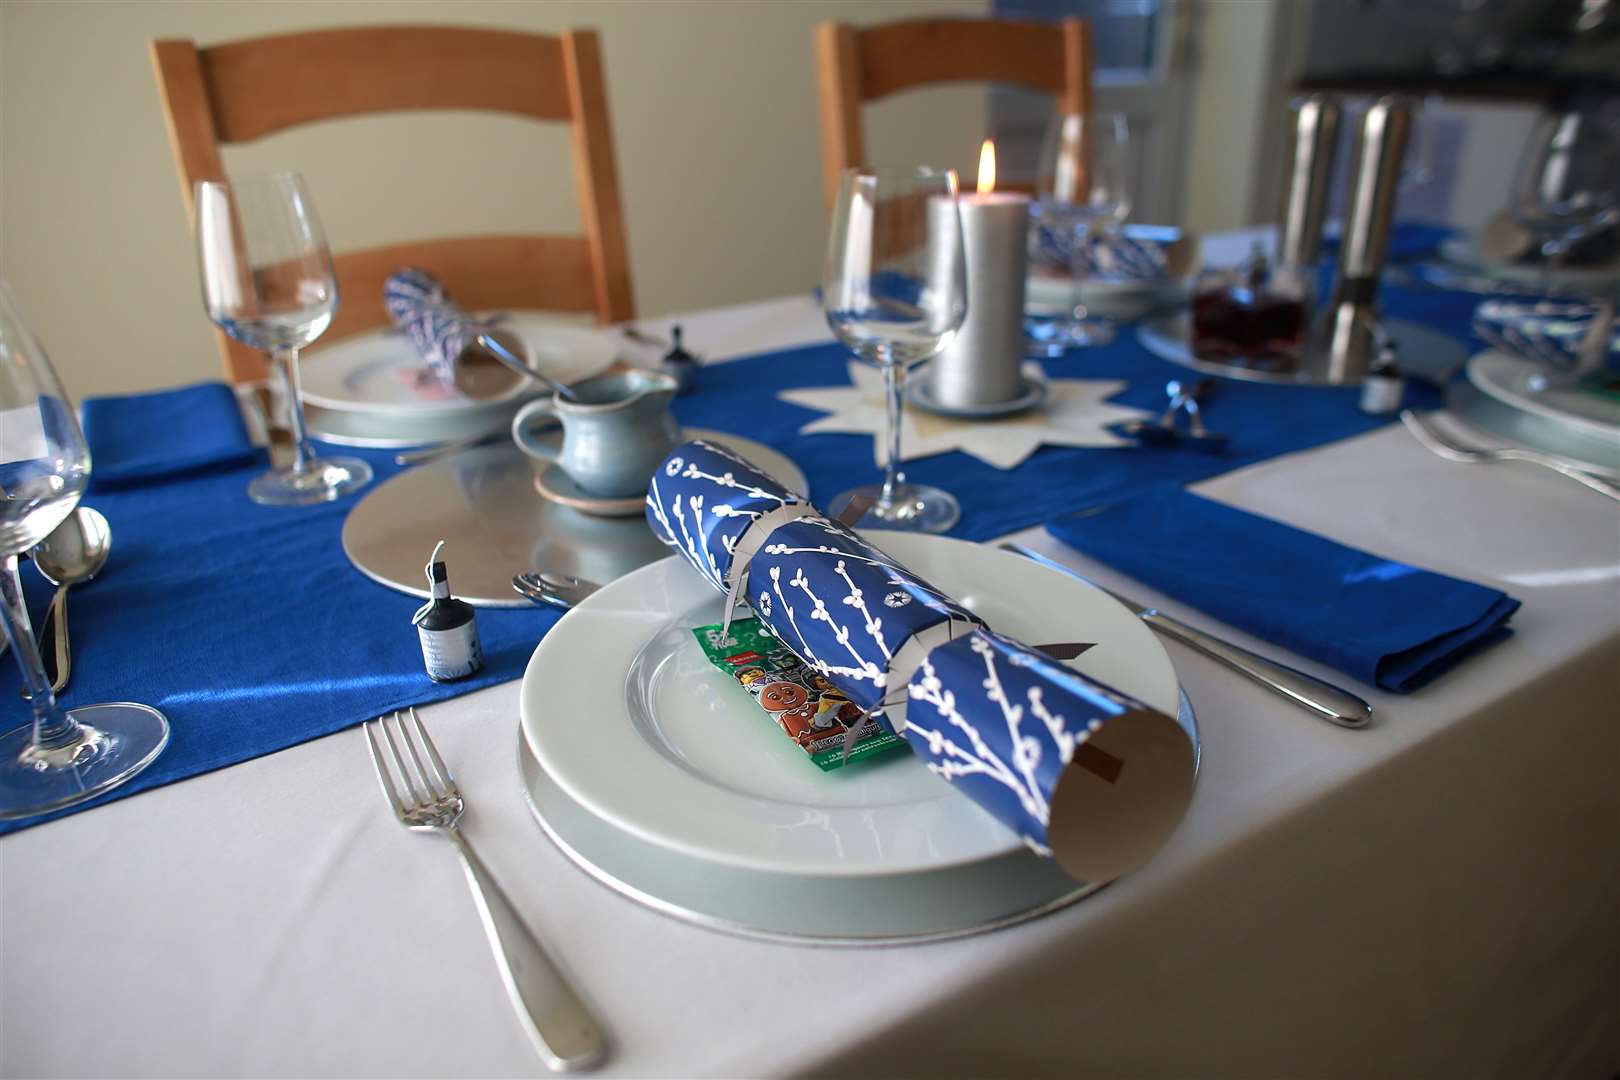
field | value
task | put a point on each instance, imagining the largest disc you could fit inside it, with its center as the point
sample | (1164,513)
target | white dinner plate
(375,372)
(623,711)
(1122,300)
(1502,377)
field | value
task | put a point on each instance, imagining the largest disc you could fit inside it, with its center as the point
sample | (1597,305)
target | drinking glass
(1083,195)
(1567,185)
(268,282)
(61,758)
(895,293)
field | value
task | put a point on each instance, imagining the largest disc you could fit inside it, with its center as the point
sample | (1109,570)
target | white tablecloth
(1436,895)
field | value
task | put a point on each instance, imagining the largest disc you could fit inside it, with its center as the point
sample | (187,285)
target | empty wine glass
(268,282)
(60,758)
(895,293)
(1567,186)
(1083,193)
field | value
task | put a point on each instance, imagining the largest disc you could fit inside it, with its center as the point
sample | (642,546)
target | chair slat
(489,273)
(855,66)
(263,85)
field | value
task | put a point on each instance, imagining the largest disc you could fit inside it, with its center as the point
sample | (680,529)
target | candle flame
(987,167)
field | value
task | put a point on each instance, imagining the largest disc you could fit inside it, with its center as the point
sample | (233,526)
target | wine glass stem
(893,374)
(52,727)
(287,361)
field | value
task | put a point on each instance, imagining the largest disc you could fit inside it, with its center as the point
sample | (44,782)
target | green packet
(804,705)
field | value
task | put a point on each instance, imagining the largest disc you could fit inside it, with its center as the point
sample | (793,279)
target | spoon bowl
(76,550)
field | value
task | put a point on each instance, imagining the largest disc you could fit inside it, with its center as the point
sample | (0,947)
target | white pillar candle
(981,366)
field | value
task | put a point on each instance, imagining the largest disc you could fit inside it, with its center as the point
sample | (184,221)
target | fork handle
(1596,483)
(556,1021)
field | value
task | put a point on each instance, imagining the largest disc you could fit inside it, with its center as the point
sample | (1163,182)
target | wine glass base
(320,480)
(916,508)
(117,740)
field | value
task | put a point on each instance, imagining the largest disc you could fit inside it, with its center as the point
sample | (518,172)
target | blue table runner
(249,628)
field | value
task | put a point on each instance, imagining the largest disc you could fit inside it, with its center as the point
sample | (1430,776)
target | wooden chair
(856,66)
(243,90)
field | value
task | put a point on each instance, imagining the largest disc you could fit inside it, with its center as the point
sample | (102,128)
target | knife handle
(1327,701)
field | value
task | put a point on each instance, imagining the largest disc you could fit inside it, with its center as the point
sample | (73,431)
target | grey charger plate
(907,909)
(482,503)
(1570,444)
(1424,352)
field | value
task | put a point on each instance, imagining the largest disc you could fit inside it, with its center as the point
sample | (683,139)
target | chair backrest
(243,90)
(859,65)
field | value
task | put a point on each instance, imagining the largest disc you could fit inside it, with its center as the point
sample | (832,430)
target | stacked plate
(662,778)
(1579,424)
(372,389)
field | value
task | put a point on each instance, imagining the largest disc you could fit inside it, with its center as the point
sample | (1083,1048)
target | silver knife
(1323,699)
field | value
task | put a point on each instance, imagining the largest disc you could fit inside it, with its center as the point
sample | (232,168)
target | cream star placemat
(1075,413)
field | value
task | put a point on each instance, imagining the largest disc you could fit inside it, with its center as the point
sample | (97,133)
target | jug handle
(521,433)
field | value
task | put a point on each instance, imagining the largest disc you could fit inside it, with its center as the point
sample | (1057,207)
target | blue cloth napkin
(140,438)
(1383,622)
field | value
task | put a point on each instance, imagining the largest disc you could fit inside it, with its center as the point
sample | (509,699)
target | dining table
(1437,893)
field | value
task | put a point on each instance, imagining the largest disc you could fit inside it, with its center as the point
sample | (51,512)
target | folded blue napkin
(138,438)
(1383,622)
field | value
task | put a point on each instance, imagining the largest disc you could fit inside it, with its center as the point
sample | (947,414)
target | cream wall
(714,112)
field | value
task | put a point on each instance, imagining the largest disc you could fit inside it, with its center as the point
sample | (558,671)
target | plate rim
(548,321)
(1588,424)
(655,577)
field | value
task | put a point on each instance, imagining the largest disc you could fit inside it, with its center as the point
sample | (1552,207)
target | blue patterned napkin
(139,438)
(1383,622)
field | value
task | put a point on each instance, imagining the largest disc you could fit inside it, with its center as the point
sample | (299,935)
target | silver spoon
(555,590)
(505,356)
(74,552)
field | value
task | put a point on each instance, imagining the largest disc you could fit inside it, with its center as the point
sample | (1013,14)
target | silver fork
(555,1020)
(1449,448)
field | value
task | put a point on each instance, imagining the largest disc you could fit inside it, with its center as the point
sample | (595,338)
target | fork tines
(426,786)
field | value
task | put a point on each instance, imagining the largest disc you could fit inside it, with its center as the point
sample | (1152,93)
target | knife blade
(1316,696)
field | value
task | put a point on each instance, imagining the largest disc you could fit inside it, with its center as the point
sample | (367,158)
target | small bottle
(1383,386)
(678,363)
(447,628)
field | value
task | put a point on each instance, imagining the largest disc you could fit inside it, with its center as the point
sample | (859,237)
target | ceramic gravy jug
(614,434)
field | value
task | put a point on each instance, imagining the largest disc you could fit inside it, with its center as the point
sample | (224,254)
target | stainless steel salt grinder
(1367,221)
(1313,141)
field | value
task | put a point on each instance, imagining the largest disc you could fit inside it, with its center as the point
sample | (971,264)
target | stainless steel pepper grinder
(1313,141)
(1347,338)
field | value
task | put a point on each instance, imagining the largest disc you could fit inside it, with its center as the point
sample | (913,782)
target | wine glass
(1083,195)
(268,282)
(1567,185)
(61,758)
(895,293)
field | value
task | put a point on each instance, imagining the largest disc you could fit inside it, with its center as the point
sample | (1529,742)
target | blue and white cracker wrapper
(1080,772)
(1075,768)
(704,498)
(1131,253)
(445,336)
(1554,332)
(842,605)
